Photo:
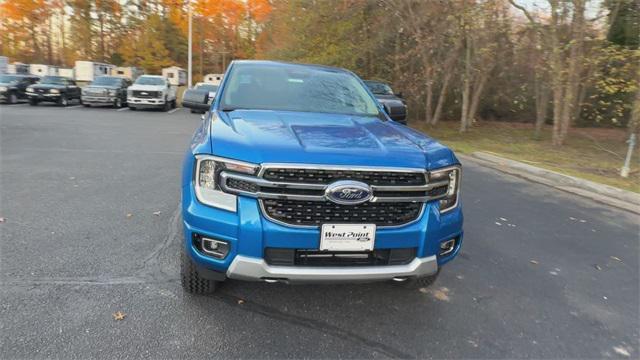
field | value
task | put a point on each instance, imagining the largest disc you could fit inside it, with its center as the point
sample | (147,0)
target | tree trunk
(441,98)
(475,99)
(542,103)
(556,74)
(574,69)
(429,97)
(466,87)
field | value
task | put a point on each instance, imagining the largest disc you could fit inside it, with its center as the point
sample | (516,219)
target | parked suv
(13,87)
(106,90)
(393,103)
(57,89)
(297,174)
(151,91)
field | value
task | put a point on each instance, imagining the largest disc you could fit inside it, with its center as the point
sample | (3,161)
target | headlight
(3,88)
(452,175)
(206,187)
(54,91)
(29,89)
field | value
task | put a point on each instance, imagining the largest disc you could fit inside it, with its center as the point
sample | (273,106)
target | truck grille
(314,213)
(146,94)
(326,176)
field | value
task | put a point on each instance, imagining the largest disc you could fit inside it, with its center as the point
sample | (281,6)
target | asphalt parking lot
(90,202)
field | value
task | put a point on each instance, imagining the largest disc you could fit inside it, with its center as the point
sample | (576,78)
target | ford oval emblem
(348,192)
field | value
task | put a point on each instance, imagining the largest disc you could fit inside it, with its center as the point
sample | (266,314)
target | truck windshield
(54,80)
(145,80)
(379,88)
(9,79)
(108,81)
(291,87)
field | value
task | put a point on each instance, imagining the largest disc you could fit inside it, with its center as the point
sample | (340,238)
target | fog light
(216,248)
(447,247)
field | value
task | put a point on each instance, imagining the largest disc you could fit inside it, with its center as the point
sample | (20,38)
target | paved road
(542,274)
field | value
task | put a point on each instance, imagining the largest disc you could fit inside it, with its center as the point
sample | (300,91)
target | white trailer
(214,79)
(67,72)
(18,68)
(129,72)
(4,62)
(89,70)
(43,70)
(177,76)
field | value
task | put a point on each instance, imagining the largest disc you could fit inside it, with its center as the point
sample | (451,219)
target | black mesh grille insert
(312,257)
(323,176)
(242,185)
(296,212)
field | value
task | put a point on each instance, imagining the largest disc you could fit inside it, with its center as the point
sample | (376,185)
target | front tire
(173,104)
(117,103)
(33,102)
(192,282)
(13,98)
(63,101)
(132,108)
(166,105)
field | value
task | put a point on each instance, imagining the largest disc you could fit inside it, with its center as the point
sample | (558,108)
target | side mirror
(196,100)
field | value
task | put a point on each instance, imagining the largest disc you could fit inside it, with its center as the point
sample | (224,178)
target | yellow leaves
(119,315)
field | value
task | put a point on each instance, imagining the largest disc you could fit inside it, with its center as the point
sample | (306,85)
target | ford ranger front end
(298,175)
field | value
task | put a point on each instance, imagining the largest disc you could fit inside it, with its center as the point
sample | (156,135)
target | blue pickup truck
(298,175)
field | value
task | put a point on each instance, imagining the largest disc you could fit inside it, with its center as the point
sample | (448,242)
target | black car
(202,92)
(392,102)
(106,90)
(13,87)
(57,89)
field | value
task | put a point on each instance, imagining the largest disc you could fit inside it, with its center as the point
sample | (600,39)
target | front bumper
(144,102)
(43,96)
(248,268)
(98,99)
(249,233)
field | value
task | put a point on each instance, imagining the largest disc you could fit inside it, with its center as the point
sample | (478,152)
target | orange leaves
(233,12)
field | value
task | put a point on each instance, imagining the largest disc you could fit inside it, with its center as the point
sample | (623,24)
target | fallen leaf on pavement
(503,219)
(240,301)
(616,258)
(533,262)
(157,213)
(499,224)
(621,351)
(1,220)
(129,215)
(119,315)
(597,267)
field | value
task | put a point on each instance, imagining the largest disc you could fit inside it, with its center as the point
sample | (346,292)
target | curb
(606,194)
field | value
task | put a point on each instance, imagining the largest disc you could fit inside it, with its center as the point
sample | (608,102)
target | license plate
(347,237)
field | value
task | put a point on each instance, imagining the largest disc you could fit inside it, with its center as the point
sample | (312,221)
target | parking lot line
(123,109)
(172,111)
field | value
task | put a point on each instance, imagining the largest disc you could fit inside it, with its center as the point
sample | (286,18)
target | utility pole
(626,168)
(189,65)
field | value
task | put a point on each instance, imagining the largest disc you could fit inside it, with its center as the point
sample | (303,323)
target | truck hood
(47,86)
(147,87)
(260,136)
(101,87)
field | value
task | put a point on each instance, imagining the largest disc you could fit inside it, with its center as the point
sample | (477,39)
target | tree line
(560,62)
(150,34)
